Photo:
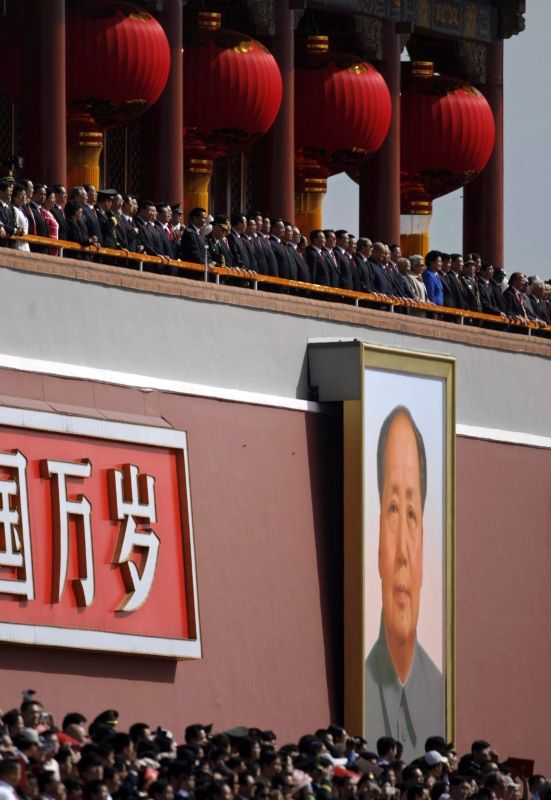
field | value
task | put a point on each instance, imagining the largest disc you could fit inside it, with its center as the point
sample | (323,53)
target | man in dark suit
(364,248)
(192,247)
(496,285)
(381,279)
(515,300)
(89,213)
(164,217)
(38,197)
(323,273)
(537,293)
(485,291)
(263,241)
(459,300)
(285,263)
(344,268)
(127,235)
(254,249)
(330,255)
(240,253)
(129,231)
(146,237)
(58,209)
(292,238)
(351,253)
(445,280)
(286,242)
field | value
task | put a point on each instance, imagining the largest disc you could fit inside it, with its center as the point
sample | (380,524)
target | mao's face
(401,534)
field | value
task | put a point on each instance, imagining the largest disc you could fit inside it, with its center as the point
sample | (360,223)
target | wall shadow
(324,444)
(86,664)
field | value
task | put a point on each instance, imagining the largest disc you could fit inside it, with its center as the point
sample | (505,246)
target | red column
(483,197)
(380,177)
(43,107)
(274,155)
(162,126)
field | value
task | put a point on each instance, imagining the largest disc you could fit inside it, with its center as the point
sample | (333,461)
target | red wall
(267,530)
(503,640)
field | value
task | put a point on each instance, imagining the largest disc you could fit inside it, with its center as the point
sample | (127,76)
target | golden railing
(209,272)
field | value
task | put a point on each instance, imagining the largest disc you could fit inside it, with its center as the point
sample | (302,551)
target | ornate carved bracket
(262,12)
(472,56)
(370,36)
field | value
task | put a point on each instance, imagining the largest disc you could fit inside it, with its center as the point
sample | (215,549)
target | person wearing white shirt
(19,198)
(10,775)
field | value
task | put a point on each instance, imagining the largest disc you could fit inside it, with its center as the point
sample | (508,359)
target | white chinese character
(62,509)
(132,498)
(14,520)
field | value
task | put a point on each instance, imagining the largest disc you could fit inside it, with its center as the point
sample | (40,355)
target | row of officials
(277,248)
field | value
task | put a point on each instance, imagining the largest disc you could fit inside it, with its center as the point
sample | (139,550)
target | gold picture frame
(378,365)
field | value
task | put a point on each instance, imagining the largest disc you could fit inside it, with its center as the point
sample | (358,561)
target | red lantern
(237,96)
(118,60)
(342,107)
(342,116)
(447,136)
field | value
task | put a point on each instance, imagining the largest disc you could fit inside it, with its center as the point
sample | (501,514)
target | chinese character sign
(96,536)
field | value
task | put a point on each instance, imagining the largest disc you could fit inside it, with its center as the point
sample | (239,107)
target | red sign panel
(96,536)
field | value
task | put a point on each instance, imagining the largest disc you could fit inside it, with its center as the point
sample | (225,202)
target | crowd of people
(78,760)
(258,245)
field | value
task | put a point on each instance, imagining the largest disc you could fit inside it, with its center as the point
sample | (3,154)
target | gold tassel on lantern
(311,188)
(414,225)
(83,155)
(197,175)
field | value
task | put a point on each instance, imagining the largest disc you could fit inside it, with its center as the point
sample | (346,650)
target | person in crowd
(322,270)
(300,267)
(217,242)
(8,224)
(89,212)
(176,218)
(343,262)
(240,253)
(470,286)
(435,290)
(47,196)
(147,238)
(166,235)
(381,277)
(515,298)
(106,218)
(19,203)
(302,245)
(128,230)
(536,298)
(58,209)
(285,263)
(485,293)
(253,246)
(364,248)
(395,254)
(459,299)
(445,280)
(77,230)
